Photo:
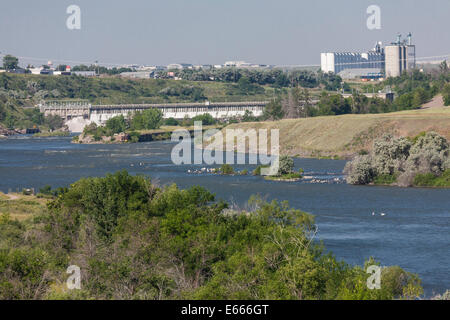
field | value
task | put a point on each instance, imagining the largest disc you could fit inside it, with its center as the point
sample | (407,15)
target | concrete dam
(78,114)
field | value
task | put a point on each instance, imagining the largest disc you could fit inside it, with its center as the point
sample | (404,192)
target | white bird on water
(382,214)
(373,213)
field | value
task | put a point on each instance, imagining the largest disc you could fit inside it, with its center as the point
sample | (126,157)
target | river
(414,231)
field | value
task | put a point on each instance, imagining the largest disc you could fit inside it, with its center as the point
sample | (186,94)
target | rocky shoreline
(90,139)
(9,132)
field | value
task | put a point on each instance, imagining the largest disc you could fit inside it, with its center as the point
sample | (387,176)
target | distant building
(47,72)
(19,70)
(237,64)
(35,70)
(137,75)
(84,73)
(363,73)
(243,64)
(390,61)
(400,56)
(146,68)
(130,66)
(179,66)
(355,63)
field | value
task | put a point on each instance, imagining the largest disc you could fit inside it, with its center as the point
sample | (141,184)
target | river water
(414,231)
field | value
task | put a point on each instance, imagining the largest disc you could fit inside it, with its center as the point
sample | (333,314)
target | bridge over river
(78,114)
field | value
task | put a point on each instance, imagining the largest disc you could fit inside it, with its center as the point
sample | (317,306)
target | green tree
(446,94)
(274,110)
(147,119)
(54,122)
(443,66)
(248,116)
(334,104)
(10,121)
(405,102)
(205,118)
(419,97)
(304,102)
(226,169)
(10,62)
(47,189)
(171,122)
(286,165)
(244,85)
(116,124)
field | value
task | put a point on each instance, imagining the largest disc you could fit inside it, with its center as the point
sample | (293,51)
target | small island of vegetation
(285,170)
(147,125)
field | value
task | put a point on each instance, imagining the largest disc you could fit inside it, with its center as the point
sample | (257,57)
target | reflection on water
(414,232)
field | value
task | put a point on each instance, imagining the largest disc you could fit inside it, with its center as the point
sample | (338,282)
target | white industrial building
(400,56)
(179,66)
(391,60)
(360,63)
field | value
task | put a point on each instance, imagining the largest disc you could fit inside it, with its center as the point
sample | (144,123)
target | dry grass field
(21,207)
(343,136)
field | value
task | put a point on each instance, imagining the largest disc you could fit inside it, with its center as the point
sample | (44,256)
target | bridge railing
(64,105)
(182,105)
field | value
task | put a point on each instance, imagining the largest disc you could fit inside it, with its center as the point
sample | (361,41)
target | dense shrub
(286,165)
(205,118)
(134,240)
(429,153)
(417,161)
(257,171)
(171,122)
(389,154)
(359,170)
(147,119)
(226,169)
(116,124)
(431,180)
(446,94)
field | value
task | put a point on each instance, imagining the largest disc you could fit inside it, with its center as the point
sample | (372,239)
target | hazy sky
(282,32)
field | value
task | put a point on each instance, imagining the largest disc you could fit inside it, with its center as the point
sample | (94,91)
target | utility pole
(98,68)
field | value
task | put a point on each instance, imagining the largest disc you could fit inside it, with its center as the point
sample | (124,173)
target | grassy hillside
(121,90)
(21,207)
(345,135)
(19,91)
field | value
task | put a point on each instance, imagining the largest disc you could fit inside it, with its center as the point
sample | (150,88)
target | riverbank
(163,133)
(52,134)
(423,161)
(4,132)
(342,137)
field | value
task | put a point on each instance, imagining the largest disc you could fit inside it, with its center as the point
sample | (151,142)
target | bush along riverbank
(144,126)
(56,133)
(423,161)
(135,240)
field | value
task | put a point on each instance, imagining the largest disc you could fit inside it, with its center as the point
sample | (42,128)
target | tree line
(412,89)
